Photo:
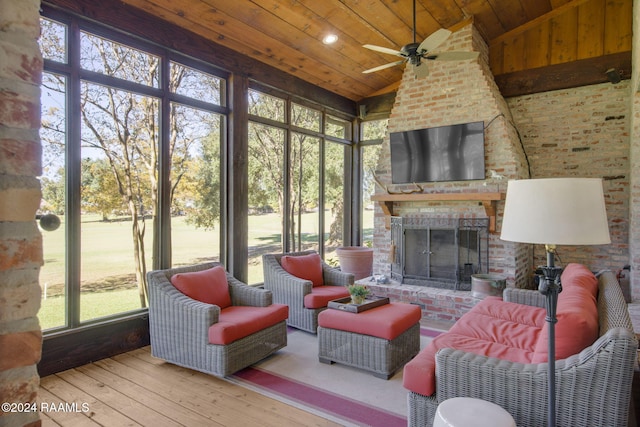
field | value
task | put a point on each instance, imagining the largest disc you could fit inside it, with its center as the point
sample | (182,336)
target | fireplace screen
(439,252)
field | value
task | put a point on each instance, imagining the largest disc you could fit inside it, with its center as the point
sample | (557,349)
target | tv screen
(445,153)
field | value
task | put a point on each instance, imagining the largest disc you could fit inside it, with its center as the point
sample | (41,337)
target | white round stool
(470,412)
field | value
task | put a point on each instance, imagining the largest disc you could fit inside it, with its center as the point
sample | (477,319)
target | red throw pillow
(307,267)
(209,286)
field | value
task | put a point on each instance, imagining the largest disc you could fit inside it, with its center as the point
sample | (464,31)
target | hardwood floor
(136,389)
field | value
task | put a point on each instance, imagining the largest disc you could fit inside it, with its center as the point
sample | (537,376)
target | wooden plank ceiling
(526,37)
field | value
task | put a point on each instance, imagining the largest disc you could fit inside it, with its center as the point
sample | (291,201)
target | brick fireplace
(454,92)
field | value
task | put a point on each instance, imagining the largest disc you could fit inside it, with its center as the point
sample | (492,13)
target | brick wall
(458,92)
(583,132)
(20,240)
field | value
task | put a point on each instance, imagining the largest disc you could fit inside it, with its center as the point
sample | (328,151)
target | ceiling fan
(415,52)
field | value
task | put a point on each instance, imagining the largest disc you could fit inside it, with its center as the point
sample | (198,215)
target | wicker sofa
(181,327)
(593,386)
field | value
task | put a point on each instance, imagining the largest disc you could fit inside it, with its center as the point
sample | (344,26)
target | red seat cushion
(493,328)
(209,286)
(321,295)
(307,267)
(386,321)
(237,322)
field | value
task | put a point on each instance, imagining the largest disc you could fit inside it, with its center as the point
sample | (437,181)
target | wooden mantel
(488,200)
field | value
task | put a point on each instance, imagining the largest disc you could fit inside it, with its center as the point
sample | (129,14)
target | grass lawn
(108,284)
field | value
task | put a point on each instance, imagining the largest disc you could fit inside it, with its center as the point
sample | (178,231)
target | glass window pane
(337,128)
(370,155)
(118,198)
(334,198)
(117,60)
(305,118)
(374,129)
(266,106)
(53,137)
(304,192)
(266,195)
(53,41)
(196,84)
(195,180)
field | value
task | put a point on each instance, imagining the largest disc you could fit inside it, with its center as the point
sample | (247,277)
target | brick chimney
(452,93)
(20,239)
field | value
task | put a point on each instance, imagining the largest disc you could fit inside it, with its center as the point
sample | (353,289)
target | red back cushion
(577,315)
(307,267)
(208,286)
(579,275)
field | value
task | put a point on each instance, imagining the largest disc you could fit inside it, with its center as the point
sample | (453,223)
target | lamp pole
(550,287)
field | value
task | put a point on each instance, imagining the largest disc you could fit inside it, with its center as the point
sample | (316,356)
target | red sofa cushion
(321,295)
(237,322)
(386,321)
(577,314)
(307,267)
(494,328)
(209,286)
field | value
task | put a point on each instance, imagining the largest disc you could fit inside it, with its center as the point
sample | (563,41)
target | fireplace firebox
(439,252)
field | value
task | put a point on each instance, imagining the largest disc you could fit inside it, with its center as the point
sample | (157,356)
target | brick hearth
(438,305)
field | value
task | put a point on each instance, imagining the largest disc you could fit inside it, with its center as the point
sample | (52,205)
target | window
(53,135)
(334,197)
(134,143)
(104,173)
(266,195)
(116,60)
(304,196)
(117,201)
(297,173)
(372,134)
(266,106)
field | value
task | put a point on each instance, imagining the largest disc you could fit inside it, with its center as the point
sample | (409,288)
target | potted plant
(358,293)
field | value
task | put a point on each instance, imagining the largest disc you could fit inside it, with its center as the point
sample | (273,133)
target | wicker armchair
(593,387)
(180,326)
(290,290)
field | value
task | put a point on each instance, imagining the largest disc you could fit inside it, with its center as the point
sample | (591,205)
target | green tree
(200,193)
(53,194)
(99,189)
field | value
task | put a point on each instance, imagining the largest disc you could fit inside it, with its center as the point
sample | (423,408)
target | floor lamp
(554,211)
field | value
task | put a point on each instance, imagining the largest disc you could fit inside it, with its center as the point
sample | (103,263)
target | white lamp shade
(556,211)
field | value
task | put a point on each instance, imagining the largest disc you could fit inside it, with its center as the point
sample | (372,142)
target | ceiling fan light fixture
(330,39)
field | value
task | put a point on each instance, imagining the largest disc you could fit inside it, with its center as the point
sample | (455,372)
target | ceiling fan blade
(452,56)
(434,40)
(382,67)
(382,49)
(421,70)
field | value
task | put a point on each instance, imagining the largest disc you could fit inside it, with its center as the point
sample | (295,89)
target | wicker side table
(350,338)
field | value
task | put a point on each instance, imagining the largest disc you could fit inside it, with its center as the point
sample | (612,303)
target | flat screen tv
(445,153)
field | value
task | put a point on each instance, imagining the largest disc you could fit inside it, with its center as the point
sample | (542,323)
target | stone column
(20,239)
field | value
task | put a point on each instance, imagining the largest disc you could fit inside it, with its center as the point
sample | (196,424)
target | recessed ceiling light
(330,39)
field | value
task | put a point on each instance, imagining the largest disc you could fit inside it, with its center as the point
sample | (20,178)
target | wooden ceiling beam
(583,72)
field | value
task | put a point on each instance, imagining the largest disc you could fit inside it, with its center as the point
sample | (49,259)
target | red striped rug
(340,393)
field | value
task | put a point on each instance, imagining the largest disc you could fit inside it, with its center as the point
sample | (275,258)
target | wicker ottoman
(380,340)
